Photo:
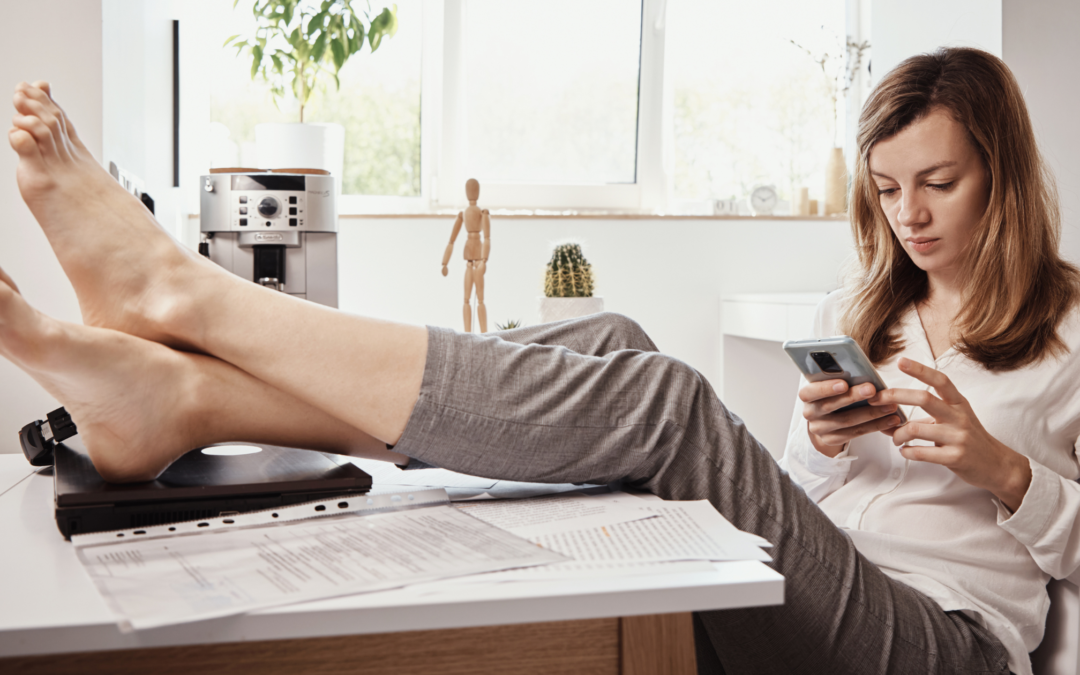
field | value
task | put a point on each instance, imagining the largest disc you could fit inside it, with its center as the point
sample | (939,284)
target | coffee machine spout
(270,266)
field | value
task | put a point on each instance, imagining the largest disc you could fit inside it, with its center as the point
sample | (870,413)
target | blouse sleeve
(1047,522)
(817,474)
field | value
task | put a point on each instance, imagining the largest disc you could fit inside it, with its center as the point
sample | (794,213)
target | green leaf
(319,49)
(393,22)
(256,60)
(230,40)
(278,66)
(357,39)
(339,54)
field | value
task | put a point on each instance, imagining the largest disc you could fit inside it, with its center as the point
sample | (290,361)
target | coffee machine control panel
(268,201)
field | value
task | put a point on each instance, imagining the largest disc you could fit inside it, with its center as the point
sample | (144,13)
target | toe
(40,132)
(6,280)
(41,93)
(24,144)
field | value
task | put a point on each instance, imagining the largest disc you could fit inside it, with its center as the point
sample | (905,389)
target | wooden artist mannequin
(477,247)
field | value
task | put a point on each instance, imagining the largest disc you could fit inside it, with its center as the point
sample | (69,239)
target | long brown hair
(1018,288)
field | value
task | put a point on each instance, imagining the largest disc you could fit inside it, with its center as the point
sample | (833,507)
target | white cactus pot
(557,309)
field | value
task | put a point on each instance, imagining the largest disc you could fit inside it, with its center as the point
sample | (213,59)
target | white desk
(49,606)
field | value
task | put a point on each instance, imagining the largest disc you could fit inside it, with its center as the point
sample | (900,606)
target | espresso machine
(278,230)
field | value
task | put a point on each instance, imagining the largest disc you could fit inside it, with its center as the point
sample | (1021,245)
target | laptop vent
(145,519)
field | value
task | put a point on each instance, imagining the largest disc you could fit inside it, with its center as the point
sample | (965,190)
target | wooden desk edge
(642,645)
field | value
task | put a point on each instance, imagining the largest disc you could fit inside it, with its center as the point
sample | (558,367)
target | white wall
(1039,43)
(669,275)
(60,42)
(903,28)
(138,98)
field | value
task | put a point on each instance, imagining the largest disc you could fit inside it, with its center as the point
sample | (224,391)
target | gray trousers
(591,401)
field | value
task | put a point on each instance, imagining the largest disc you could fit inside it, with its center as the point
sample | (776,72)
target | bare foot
(128,396)
(108,243)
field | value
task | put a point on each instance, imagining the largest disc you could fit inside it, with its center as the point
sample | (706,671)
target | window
(750,105)
(563,104)
(378,104)
(550,96)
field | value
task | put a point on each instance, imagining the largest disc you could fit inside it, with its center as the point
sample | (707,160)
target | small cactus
(568,275)
(509,325)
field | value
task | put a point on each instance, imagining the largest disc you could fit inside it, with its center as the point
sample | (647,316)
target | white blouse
(924,526)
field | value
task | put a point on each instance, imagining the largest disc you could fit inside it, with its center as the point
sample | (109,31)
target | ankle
(175,311)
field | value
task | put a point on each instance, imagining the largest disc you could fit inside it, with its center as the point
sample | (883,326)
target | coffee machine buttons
(268,207)
(292,221)
(243,200)
(243,210)
(292,200)
(292,210)
(243,222)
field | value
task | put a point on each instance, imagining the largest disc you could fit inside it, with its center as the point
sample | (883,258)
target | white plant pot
(301,146)
(557,309)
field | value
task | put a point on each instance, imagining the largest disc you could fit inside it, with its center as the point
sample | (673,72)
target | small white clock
(763,199)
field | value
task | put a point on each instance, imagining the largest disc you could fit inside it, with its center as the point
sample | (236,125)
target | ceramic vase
(835,183)
(302,146)
(558,309)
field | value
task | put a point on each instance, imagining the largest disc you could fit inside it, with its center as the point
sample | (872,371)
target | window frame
(647,192)
(442,124)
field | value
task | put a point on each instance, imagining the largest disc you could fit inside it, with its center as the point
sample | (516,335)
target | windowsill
(506,214)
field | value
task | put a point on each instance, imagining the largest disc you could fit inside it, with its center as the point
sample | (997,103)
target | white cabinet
(759,381)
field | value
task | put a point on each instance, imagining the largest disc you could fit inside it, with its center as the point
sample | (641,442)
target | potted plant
(296,45)
(568,286)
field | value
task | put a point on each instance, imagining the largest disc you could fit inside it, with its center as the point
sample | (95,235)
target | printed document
(169,580)
(560,513)
(691,530)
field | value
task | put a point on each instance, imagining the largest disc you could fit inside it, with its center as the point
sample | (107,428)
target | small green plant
(568,275)
(509,325)
(297,41)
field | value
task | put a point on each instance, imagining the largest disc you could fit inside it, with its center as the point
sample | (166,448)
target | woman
(884,577)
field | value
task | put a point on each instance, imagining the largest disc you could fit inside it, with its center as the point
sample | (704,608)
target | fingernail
(839,386)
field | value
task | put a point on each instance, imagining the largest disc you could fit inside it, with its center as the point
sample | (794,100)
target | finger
(816,391)
(842,436)
(924,430)
(920,398)
(935,378)
(45,87)
(827,406)
(849,418)
(945,456)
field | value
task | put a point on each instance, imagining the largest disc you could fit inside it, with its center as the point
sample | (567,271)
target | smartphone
(836,358)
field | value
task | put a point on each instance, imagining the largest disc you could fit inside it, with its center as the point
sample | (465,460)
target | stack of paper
(172,574)
(616,533)
(154,578)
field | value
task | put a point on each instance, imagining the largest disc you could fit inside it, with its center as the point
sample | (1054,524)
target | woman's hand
(961,443)
(831,430)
